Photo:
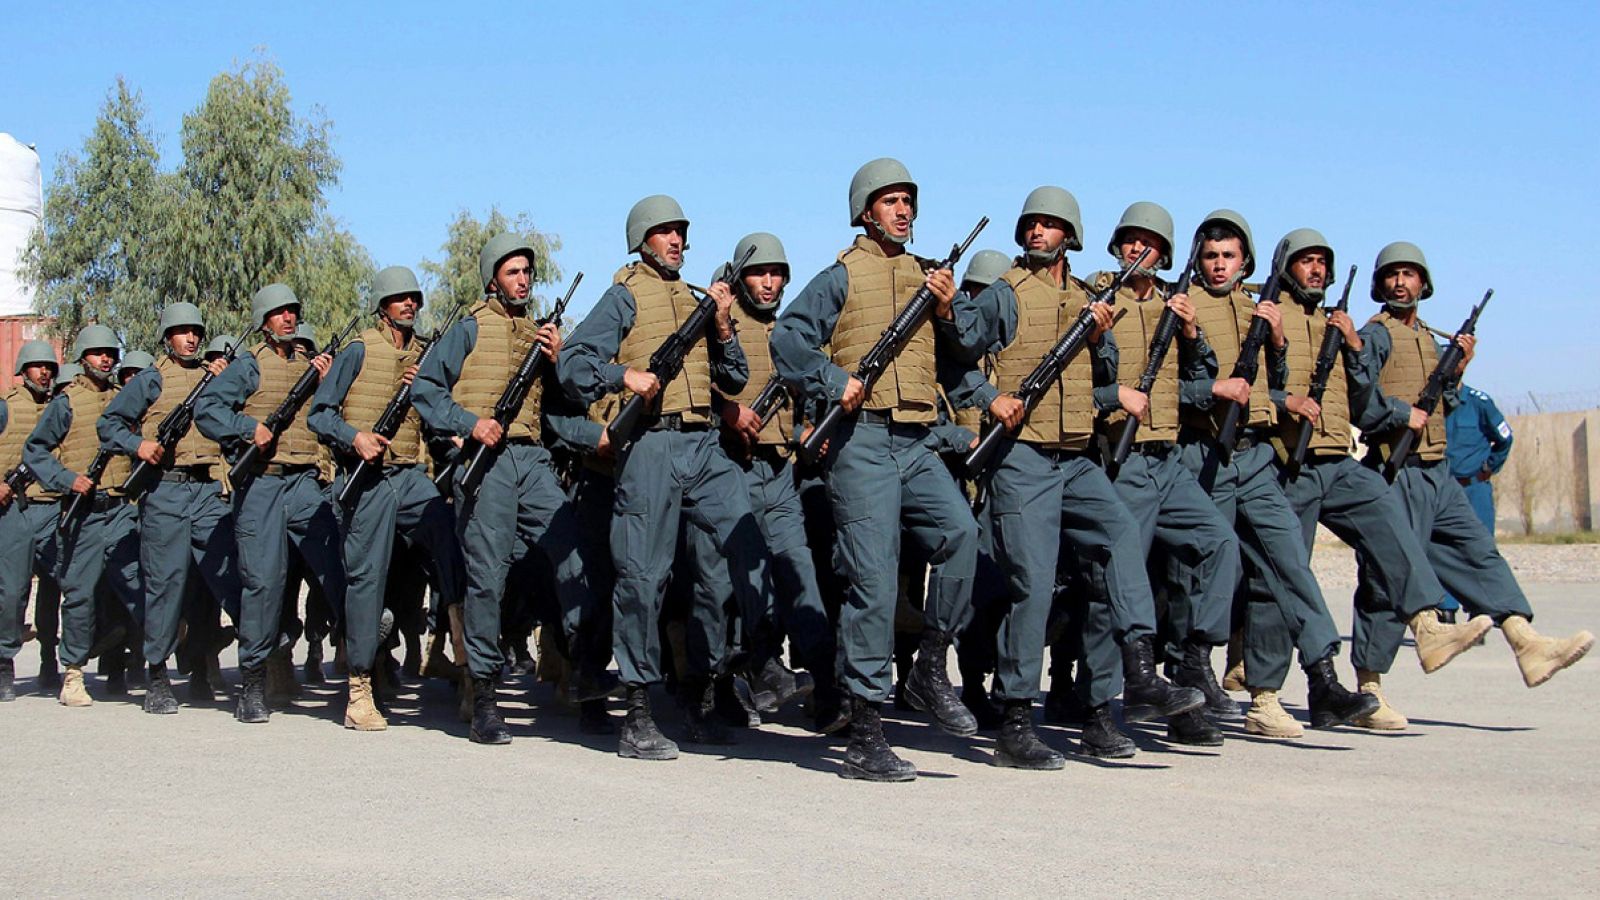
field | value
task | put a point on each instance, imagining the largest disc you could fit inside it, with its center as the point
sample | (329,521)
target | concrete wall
(1552,480)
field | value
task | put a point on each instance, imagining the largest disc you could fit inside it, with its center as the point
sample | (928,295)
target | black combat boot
(487,726)
(252,706)
(158,697)
(1102,738)
(114,666)
(731,702)
(928,687)
(1063,706)
(772,685)
(1194,671)
(830,709)
(593,718)
(1330,703)
(1145,694)
(8,681)
(1194,729)
(640,738)
(596,685)
(49,680)
(975,697)
(868,756)
(700,724)
(1018,746)
(313,666)
(200,691)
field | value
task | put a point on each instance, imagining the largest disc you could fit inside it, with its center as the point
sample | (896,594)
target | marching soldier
(184,521)
(882,472)
(103,538)
(27,518)
(1463,552)
(398,495)
(282,502)
(134,362)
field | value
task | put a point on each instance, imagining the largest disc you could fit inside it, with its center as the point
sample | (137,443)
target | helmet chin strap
(884,233)
(660,263)
(1046,257)
(1405,306)
(96,374)
(1304,294)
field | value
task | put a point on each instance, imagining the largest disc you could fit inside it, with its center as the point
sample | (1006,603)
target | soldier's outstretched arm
(799,335)
(1381,412)
(324,419)
(118,427)
(1103,365)
(585,366)
(39,450)
(730,370)
(217,409)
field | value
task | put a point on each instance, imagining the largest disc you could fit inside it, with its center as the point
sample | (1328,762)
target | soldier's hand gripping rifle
(70,509)
(1443,373)
(1045,375)
(773,397)
(1160,342)
(390,420)
(19,479)
(279,419)
(667,361)
(173,427)
(889,345)
(1327,356)
(475,458)
(1248,365)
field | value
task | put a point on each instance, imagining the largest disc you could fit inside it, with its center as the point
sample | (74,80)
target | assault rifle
(97,468)
(667,361)
(773,397)
(390,420)
(889,345)
(279,419)
(1327,356)
(19,479)
(1045,375)
(1443,373)
(474,458)
(173,427)
(1248,365)
(1160,342)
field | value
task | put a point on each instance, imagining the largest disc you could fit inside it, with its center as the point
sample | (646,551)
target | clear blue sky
(1467,128)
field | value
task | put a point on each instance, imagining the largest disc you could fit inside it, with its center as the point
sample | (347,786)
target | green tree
(330,273)
(452,282)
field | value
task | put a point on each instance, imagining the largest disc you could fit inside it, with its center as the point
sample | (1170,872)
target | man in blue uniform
(1478,442)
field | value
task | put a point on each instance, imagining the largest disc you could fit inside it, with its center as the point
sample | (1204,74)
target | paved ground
(1494,790)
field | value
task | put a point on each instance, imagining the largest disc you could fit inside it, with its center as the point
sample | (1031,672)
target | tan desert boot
(435,664)
(73,693)
(1385,717)
(1540,657)
(1438,643)
(360,713)
(1268,718)
(1233,677)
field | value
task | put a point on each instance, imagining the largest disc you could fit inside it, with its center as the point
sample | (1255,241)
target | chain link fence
(1531,402)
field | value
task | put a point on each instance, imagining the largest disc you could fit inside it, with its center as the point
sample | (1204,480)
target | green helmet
(36,351)
(873,178)
(1293,244)
(219,345)
(1057,203)
(1234,222)
(986,267)
(93,337)
(499,248)
(176,315)
(1152,217)
(397,281)
(269,300)
(1395,254)
(768,252)
(307,333)
(67,373)
(652,212)
(136,360)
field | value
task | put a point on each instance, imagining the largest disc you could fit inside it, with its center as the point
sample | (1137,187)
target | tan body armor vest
(194,448)
(1332,433)
(297,445)
(78,449)
(1225,321)
(659,307)
(503,343)
(755,335)
(879,288)
(22,411)
(1134,331)
(382,370)
(1412,358)
(1064,417)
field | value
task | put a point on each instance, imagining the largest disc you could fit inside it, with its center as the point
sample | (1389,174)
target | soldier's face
(1402,283)
(1310,269)
(666,242)
(402,309)
(282,322)
(514,278)
(1043,234)
(892,210)
(40,375)
(185,340)
(100,360)
(1221,260)
(764,282)
(1133,241)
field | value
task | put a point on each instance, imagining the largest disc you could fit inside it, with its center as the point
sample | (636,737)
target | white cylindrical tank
(21,207)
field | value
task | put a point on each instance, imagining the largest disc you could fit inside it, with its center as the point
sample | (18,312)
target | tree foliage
(452,282)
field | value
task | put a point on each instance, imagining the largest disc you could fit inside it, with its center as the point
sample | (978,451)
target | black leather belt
(102,502)
(286,469)
(877,416)
(675,422)
(1250,438)
(188,475)
(1154,449)
(1062,455)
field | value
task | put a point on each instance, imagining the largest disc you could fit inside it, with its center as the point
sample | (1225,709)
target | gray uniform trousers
(27,548)
(587,623)
(183,524)
(519,507)
(1038,499)
(1247,493)
(102,544)
(1357,506)
(1464,557)
(775,500)
(883,479)
(403,499)
(269,513)
(663,477)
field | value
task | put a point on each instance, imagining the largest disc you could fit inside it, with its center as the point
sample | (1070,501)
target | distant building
(21,208)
